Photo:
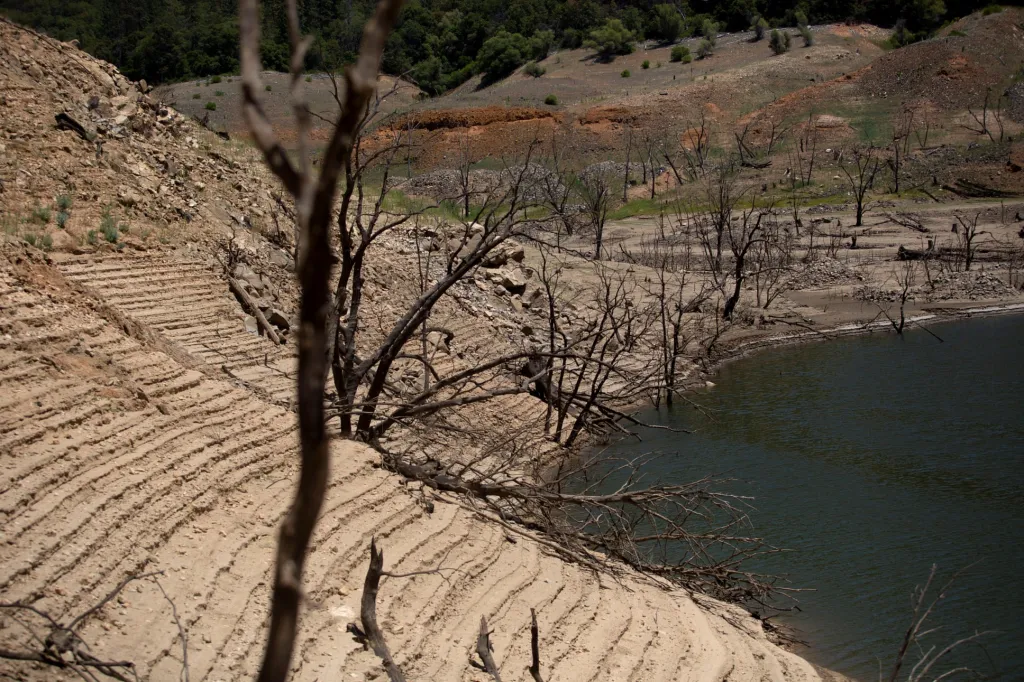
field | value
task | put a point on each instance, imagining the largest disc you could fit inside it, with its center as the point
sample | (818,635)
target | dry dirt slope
(142,429)
(116,459)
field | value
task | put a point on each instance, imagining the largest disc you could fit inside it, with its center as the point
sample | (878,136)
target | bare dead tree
(694,146)
(314,197)
(721,195)
(966,230)
(744,235)
(925,668)
(595,193)
(983,121)
(902,126)
(625,177)
(905,278)
(759,156)
(464,161)
(860,166)
(534,648)
(484,649)
(805,151)
(772,259)
(60,645)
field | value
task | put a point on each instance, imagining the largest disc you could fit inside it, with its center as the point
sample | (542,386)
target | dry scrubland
(146,427)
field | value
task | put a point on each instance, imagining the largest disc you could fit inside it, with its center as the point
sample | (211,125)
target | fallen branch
(254,310)
(484,650)
(368,614)
(535,648)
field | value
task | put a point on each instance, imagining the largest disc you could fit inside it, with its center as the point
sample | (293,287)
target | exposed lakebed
(873,457)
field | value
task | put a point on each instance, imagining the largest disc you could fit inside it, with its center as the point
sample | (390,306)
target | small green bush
(64,202)
(46,242)
(779,41)
(41,215)
(196,96)
(551,101)
(309,79)
(709,30)
(268,88)
(219,93)
(805,33)
(646,64)
(679,52)
(625,73)
(957,34)
(215,79)
(108,226)
(534,69)
(90,238)
(992,9)
(211,106)
(759,27)
(62,219)
(30,238)
(705,49)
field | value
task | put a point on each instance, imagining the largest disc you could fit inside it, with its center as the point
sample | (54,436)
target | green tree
(709,29)
(668,24)
(611,39)
(502,54)
(681,53)
(779,41)
(759,27)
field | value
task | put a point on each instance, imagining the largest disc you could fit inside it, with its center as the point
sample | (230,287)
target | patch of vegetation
(991,9)
(705,49)
(646,64)
(779,41)
(709,29)
(30,238)
(805,33)
(41,215)
(551,101)
(46,242)
(667,24)
(196,95)
(611,39)
(219,93)
(62,219)
(534,69)
(215,79)
(625,73)
(759,27)
(64,202)
(211,106)
(91,239)
(957,34)
(108,226)
(268,88)
(309,79)
(681,53)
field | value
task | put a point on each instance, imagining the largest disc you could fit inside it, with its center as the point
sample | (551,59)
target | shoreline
(751,346)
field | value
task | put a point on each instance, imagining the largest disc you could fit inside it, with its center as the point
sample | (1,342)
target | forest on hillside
(437,43)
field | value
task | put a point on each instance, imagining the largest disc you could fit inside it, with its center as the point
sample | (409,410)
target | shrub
(309,79)
(992,9)
(805,33)
(551,101)
(268,88)
(705,49)
(211,106)
(611,39)
(625,73)
(759,27)
(30,238)
(218,93)
(62,219)
(108,226)
(41,215)
(957,34)
(800,18)
(215,79)
(646,64)
(196,96)
(90,238)
(46,242)
(534,69)
(779,41)
(64,202)
(680,54)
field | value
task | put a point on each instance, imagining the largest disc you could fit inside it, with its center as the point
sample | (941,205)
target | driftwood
(535,648)
(65,122)
(254,310)
(484,649)
(908,220)
(967,188)
(368,613)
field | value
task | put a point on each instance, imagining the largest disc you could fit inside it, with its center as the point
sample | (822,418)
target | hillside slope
(143,428)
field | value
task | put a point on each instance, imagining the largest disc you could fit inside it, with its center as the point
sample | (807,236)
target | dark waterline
(874,457)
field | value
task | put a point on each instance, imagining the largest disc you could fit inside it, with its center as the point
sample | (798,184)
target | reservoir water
(872,458)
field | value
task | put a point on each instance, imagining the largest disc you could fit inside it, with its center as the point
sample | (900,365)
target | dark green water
(874,457)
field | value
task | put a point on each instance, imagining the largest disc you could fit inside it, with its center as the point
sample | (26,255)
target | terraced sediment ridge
(118,459)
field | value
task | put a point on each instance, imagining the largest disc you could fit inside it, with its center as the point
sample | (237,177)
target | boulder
(281,259)
(251,325)
(514,281)
(436,342)
(278,319)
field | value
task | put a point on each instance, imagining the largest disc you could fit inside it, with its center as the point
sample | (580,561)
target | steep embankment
(143,428)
